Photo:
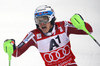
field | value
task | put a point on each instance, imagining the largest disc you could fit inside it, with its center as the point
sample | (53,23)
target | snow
(17,19)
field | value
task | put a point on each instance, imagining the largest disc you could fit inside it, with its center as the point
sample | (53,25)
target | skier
(50,38)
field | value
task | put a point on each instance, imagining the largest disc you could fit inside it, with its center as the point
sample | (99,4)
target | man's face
(44,24)
(45,27)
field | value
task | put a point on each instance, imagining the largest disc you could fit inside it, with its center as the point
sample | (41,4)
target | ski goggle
(42,19)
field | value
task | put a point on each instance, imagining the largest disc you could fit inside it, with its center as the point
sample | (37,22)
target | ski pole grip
(8,48)
(78,21)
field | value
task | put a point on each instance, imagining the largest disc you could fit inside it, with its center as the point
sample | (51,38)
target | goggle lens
(42,19)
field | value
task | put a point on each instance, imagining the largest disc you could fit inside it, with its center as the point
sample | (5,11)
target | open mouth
(44,27)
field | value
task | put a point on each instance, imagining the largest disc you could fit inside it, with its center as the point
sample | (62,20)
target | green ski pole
(78,22)
(8,48)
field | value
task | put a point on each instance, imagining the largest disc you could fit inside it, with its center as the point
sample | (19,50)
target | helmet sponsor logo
(41,9)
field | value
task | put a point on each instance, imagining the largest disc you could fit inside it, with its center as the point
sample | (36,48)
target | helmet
(44,11)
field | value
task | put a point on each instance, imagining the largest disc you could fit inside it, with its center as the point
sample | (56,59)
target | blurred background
(17,19)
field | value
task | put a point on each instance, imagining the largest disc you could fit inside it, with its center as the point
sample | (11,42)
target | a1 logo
(53,43)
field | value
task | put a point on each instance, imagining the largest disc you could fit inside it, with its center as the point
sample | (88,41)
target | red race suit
(54,49)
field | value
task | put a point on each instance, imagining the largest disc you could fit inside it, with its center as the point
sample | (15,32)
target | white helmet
(44,11)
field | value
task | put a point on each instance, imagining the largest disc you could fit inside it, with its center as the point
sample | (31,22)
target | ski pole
(78,22)
(8,48)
